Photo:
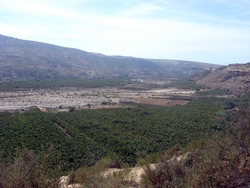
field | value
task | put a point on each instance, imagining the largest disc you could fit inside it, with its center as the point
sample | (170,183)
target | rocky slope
(234,78)
(22,59)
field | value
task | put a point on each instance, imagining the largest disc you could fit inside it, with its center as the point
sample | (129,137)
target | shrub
(28,170)
(144,161)
(94,176)
(227,162)
(220,166)
(72,109)
(175,151)
(166,174)
(86,174)
(195,144)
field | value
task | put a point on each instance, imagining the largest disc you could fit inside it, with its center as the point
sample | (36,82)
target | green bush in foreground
(28,170)
(85,174)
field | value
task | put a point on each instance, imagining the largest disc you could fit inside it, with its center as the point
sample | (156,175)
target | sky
(212,31)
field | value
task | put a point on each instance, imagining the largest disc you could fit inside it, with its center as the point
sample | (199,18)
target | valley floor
(63,98)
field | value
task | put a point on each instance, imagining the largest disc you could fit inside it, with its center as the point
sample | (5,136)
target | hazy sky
(213,31)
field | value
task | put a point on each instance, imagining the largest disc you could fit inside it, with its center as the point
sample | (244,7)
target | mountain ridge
(23,59)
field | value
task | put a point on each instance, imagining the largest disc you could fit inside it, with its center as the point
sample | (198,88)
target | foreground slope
(22,59)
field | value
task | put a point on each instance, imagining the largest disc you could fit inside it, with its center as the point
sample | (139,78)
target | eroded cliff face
(234,77)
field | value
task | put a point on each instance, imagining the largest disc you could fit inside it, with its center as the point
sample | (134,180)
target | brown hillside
(22,59)
(234,77)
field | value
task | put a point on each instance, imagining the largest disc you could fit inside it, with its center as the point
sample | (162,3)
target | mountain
(234,78)
(22,59)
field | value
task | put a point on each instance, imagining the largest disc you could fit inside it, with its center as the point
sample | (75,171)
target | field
(120,119)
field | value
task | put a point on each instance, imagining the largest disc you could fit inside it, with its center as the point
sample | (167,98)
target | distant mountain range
(22,59)
(234,78)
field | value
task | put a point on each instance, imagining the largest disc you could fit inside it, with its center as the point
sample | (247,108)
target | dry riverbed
(62,99)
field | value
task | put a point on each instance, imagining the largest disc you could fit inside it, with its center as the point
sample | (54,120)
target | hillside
(22,59)
(234,77)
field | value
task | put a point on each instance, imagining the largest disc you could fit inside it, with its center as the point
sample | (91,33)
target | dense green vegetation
(185,83)
(181,83)
(86,136)
(37,145)
(222,161)
(219,161)
(213,92)
(54,83)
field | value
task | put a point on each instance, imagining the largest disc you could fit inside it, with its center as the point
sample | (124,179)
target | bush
(95,177)
(221,166)
(195,144)
(175,151)
(166,174)
(227,162)
(72,109)
(85,174)
(28,170)
(144,161)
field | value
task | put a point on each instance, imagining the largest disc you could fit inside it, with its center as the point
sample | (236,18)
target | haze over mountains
(22,59)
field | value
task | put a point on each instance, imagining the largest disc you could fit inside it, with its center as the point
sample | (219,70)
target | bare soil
(62,99)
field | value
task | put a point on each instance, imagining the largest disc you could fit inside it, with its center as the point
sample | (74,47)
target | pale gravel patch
(79,98)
